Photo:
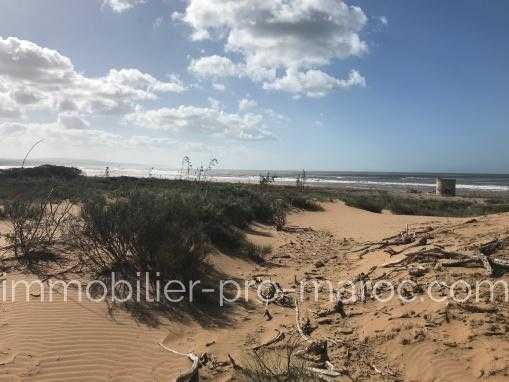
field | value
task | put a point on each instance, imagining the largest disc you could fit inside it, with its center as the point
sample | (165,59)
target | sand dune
(382,341)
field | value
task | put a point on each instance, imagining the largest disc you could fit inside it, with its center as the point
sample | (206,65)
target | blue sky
(363,85)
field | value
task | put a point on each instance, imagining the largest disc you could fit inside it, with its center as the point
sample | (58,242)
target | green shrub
(44,171)
(370,203)
(145,232)
(304,203)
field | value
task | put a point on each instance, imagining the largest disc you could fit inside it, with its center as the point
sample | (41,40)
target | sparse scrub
(277,364)
(44,171)
(424,206)
(35,226)
(304,203)
(370,203)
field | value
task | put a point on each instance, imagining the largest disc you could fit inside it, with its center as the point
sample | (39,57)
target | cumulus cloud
(68,132)
(120,6)
(294,35)
(72,121)
(57,133)
(38,77)
(8,108)
(246,104)
(202,120)
(214,66)
(314,83)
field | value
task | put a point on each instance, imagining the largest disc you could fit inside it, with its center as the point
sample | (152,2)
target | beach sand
(419,341)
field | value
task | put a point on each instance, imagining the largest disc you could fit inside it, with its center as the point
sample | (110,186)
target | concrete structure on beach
(446,187)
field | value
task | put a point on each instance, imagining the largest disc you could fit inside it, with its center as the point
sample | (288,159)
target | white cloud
(39,77)
(383,20)
(270,35)
(158,22)
(245,104)
(314,83)
(219,87)
(8,108)
(57,133)
(62,134)
(72,121)
(214,103)
(198,120)
(120,6)
(214,66)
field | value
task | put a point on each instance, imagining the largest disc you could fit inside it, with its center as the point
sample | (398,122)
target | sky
(258,84)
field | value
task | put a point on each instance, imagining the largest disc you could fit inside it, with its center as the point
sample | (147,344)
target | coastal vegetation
(131,225)
(423,205)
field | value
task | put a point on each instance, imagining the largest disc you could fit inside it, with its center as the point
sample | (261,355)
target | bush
(370,203)
(279,218)
(304,203)
(44,171)
(145,232)
(35,226)
(277,364)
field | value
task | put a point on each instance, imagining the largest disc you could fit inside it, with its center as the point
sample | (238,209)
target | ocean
(407,180)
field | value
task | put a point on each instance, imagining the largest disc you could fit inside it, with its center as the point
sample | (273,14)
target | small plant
(277,364)
(255,252)
(202,173)
(267,179)
(300,181)
(280,215)
(185,168)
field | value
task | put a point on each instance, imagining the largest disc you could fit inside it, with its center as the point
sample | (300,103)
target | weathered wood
(486,263)
(280,335)
(190,375)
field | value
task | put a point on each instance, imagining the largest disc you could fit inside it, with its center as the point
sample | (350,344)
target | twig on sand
(190,375)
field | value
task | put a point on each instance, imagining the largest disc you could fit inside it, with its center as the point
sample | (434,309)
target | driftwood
(486,263)
(465,263)
(190,375)
(476,309)
(234,364)
(303,335)
(280,335)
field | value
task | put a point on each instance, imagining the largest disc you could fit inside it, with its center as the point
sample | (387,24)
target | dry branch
(190,375)
(278,337)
